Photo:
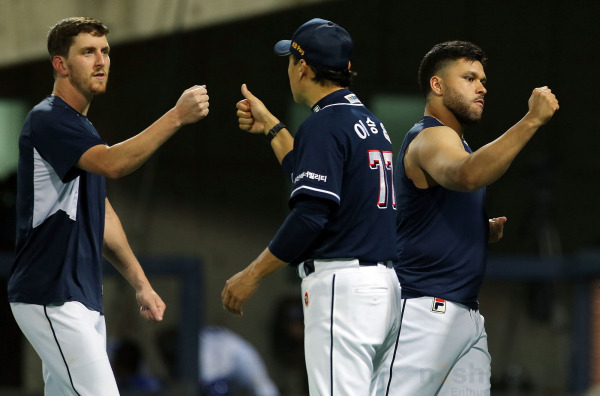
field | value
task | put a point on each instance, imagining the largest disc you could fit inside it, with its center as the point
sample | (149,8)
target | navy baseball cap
(321,43)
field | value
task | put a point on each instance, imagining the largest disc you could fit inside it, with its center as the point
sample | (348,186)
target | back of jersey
(342,153)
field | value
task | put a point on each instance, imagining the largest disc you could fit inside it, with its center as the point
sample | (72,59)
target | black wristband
(274,131)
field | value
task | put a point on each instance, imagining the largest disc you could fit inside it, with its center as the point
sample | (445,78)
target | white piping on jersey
(50,194)
(342,104)
(316,189)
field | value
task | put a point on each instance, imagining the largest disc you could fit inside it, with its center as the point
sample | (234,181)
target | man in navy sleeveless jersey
(443,228)
(65,223)
(341,231)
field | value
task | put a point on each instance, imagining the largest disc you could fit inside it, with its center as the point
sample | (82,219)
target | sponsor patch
(438,305)
(311,176)
(351,98)
(306,298)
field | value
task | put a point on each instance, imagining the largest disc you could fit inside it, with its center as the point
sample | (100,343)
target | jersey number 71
(382,160)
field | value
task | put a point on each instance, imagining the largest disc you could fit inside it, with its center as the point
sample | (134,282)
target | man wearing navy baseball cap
(321,43)
(340,233)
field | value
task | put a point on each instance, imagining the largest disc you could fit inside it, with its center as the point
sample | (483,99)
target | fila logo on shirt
(438,305)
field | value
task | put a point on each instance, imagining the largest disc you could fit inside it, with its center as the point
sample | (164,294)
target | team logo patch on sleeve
(438,305)
(352,99)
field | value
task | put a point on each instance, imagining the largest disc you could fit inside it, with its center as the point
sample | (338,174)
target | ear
(58,62)
(436,85)
(303,69)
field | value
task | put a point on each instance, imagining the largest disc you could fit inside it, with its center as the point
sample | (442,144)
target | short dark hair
(443,53)
(342,78)
(62,35)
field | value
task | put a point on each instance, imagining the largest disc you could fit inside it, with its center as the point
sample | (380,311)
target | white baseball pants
(441,350)
(351,317)
(71,341)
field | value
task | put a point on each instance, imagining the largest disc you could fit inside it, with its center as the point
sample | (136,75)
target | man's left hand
(496,229)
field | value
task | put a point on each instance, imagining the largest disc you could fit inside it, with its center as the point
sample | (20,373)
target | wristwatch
(274,131)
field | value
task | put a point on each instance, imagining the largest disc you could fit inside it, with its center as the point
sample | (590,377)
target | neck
(74,98)
(318,92)
(434,108)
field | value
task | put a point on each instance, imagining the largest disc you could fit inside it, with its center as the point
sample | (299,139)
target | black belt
(309,265)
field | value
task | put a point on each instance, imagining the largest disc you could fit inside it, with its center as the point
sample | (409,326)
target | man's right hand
(542,105)
(193,104)
(252,114)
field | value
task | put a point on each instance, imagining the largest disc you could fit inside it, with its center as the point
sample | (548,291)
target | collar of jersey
(333,98)
(58,101)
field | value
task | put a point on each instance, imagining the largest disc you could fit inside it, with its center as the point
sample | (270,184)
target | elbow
(469,181)
(106,162)
(115,171)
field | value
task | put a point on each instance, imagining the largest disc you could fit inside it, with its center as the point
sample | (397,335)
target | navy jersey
(442,235)
(60,210)
(342,153)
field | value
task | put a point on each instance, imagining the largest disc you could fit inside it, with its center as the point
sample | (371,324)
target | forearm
(283,142)
(125,157)
(128,266)
(495,158)
(264,265)
(240,287)
(117,251)
(491,161)
(135,151)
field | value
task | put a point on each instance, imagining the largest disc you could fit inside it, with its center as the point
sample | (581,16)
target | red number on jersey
(383,161)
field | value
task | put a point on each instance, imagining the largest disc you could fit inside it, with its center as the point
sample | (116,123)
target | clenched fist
(193,104)
(542,105)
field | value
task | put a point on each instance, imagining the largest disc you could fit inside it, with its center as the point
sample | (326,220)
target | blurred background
(210,200)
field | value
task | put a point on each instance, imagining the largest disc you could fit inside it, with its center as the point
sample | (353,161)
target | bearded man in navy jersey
(443,226)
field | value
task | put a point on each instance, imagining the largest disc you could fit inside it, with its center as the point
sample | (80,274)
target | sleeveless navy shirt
(442,235)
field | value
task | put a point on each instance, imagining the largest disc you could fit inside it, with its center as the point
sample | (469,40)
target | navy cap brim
(282,48)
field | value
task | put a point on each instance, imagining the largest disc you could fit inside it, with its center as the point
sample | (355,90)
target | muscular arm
(125,157)
(117,251)
(439,152)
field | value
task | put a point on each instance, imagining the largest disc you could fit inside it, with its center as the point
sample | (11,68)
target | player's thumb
(247,94)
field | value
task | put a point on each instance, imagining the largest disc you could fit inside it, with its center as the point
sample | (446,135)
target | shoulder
(50,116)
(340,116)
(317,125)
(437,134)
(429,143)
(48,110)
